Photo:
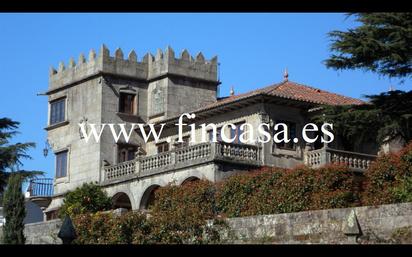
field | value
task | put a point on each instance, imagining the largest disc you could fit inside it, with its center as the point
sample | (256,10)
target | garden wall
(43,232)
(381,224)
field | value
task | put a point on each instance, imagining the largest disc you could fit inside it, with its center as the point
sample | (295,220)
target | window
(162,147)
(126,153)
(218,135)
(128,103)
(61,164)
(236,132)
(57,111)
(291,135)
(184,143)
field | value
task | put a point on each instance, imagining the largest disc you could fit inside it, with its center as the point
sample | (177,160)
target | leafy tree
(11,154)
(381,44)
(14,210)
(89,198)
(388,114)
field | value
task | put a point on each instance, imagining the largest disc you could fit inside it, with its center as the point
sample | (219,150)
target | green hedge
(272,190)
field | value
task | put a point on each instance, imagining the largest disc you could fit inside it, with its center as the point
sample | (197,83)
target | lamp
(46,148)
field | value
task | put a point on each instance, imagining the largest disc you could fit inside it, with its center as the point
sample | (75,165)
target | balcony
(358,162)
(40,191)
(182,158)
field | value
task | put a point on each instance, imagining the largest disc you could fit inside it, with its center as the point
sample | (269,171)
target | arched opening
(190,179)
(121,200)
(148,197)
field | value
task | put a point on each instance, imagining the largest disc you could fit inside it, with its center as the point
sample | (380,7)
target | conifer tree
(14,210)
(381,44)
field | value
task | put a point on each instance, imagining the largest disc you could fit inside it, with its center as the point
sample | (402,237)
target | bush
(107,228)
(178,216)
(89,198)
(274,190)
(180,212)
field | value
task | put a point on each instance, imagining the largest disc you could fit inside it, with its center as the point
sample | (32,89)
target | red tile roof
(292,90)
(288,90)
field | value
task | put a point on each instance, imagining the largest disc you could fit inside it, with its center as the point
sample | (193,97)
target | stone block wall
(370,224)
(43,232)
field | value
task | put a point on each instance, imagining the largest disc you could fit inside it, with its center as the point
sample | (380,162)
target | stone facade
(163,87)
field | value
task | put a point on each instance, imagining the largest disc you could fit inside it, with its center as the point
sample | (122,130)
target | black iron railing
(41,187)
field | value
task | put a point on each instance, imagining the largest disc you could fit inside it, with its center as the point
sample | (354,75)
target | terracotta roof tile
(288,90)
(292,90)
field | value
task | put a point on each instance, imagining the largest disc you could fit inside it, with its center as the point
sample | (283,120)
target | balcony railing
(184,157)
(40,187)
(355,161)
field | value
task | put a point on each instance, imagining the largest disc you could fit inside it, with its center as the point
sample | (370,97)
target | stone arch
(189,179)
(121,200)
(148,197)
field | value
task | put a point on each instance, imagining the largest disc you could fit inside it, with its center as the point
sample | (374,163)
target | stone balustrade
(184,157)
(355,161)
(120,170)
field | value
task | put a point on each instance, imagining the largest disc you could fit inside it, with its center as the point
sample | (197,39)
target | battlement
(149,68)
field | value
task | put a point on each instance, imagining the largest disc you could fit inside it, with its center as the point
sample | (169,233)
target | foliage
(178,216)
(388,114)
(388,180)
(11,154)
(381,44)
(14,210)
(274,190)
(107,228)
(85,199)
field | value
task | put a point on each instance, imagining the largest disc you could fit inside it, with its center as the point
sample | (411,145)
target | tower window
(61,164)
(57,111)
(162,147)
(183,144)
(128,103)
(126,153)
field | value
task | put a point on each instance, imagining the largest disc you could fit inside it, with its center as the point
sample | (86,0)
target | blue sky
(253,50)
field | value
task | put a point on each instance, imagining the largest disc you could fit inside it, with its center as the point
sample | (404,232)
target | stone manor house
(157,89)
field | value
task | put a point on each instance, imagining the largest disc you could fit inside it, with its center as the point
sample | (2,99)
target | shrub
(274,190)
(380,180)
(333,187)
(107,228)
(179,213)
(88,198)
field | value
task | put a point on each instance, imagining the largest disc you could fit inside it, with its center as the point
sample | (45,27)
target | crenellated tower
(107,88)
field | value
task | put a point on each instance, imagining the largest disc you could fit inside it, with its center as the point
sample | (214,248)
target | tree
(88,198)
(381,44)
(14,210)
(11,154)
(388,114)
